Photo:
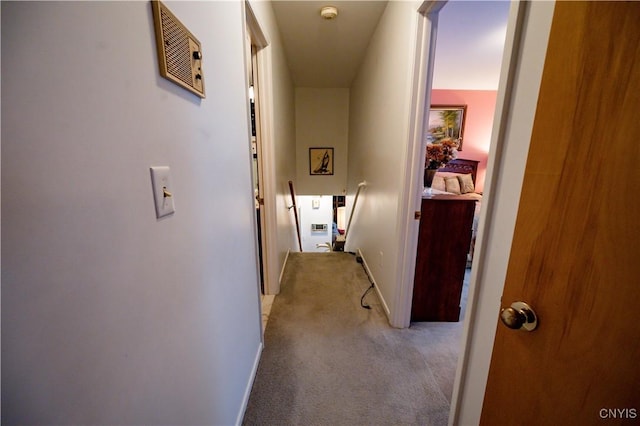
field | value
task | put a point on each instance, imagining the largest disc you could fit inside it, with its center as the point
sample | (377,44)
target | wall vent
(318,227)
(179,51)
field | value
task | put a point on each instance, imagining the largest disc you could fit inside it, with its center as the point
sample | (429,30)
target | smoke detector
(329,12)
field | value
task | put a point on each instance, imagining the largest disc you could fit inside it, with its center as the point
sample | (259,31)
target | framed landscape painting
(446,121)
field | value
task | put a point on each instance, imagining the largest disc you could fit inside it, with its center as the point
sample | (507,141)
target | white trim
(271,283)
(500,116)
(249,31)
(247,391)
(257,35)
(523,63)
(284,265)
(411,195)
(267,136)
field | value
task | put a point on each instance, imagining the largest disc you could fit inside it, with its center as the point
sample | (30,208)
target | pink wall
(479,122)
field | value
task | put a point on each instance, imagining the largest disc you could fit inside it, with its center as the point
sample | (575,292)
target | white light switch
(162,191)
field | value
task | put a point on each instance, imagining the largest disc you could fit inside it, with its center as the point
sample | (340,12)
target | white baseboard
(247,392)
(375,286)
(284,264)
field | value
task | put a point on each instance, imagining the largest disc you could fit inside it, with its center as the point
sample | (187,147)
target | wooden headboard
(460,165)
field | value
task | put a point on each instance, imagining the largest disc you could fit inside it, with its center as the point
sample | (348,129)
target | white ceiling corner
(327,53)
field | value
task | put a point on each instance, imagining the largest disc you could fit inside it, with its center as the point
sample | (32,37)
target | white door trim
(271,270)
(523,61)
(411,196)
(266,154)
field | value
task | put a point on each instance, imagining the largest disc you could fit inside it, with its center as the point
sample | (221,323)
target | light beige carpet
(328,361)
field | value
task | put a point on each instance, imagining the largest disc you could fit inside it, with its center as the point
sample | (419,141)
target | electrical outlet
(162,191)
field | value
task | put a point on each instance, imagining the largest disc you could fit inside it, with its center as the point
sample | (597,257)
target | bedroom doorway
(432,29)
(448,87)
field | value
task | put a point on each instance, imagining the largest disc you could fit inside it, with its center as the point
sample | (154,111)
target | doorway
(470,93)
(433,19)
(256,162)
(322,220)
(255,41)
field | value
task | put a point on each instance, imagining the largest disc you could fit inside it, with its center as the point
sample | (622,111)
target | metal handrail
(295,213)
(355,201)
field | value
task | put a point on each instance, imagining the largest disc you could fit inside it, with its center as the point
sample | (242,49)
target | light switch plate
(162,191)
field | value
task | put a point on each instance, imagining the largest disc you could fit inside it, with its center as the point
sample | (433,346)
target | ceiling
(470,44)
(327,53)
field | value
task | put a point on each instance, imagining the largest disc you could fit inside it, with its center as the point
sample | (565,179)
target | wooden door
(575,256)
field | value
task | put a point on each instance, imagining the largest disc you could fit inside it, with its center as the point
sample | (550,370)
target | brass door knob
(519,316)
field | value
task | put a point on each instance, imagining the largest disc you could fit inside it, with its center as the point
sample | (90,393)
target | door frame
(265,149)
(523,62)
(411,196)
(526,41)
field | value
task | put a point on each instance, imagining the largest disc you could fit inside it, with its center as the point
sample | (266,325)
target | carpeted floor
(328,361)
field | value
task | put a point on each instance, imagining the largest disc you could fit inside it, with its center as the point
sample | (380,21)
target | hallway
(365,113)
(327,360)
(160,317)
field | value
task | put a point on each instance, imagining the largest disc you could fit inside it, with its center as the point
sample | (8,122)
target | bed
(459,177)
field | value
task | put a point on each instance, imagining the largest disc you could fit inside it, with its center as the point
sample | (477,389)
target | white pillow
(447,174)
(466,183)
(452,184)
(438,183)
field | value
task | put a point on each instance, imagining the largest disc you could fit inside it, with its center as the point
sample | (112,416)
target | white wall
(322,214)
(378,143)
(110,316)
(281,149)
(322,120)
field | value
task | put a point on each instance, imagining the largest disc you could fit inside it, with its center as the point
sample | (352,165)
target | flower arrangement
(440,153)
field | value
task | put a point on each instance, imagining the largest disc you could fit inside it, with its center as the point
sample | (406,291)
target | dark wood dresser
(443,244)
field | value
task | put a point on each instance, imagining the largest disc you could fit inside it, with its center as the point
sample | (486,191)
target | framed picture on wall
(446,122)
(320,161)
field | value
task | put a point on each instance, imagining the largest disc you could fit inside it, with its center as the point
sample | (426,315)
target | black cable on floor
(360,261)
(363,296)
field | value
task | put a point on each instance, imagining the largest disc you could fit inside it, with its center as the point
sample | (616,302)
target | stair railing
(341,240)
(355,202)
(295,213)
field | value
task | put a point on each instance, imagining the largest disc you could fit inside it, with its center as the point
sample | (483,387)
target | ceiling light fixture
(329,12)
